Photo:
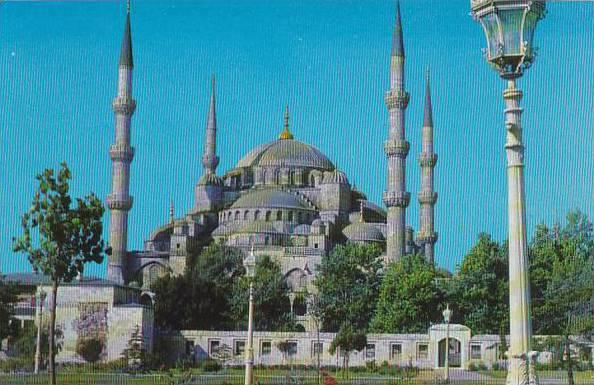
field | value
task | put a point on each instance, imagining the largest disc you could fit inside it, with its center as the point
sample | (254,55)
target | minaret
(210,160)
(209,189)
(396,148)
(121,154)
(427,196)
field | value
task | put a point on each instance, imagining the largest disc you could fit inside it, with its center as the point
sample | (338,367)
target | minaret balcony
(124,105)
(121,152)
(396,147)
(427,237)
(396,198)
(397,99)
(427,160)
(427,197)
(119,202)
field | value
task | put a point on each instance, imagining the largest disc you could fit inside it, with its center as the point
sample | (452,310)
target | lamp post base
(522,370)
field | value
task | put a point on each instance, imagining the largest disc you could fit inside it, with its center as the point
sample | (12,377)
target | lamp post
(250,267)
(509,27)
(40,297)
(447,314)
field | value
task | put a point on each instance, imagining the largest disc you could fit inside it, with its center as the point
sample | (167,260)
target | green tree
(563,282)
(409,299)
(271,299)
(479,290)
(7,300)
(348,339)
(348,284)
(59,239)
(552,251)
(205,289)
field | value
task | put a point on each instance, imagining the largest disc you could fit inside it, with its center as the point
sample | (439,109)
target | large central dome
(286,153)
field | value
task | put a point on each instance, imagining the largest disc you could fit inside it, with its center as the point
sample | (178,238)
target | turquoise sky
(329,61)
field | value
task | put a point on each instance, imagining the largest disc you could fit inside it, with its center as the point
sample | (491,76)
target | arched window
(257,215)
(268,214)
(299,217)
(290,216)
(312,180)
(245,215)
(307,218)
(267,240)
(279,215)
(236,215)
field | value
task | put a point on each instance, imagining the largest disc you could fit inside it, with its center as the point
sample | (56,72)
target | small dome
(221,231)
(317,222)
(270,199)
(210,179)
(335,177)
(286,153)
(363,232)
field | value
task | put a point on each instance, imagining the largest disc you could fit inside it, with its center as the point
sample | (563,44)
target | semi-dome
(270,198)
(258,227)
(286,153)
(363,232)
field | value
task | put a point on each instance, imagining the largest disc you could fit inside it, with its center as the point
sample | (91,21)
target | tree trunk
(52,333)
(570,380)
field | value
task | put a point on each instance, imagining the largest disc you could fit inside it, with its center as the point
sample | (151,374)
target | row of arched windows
(268,215)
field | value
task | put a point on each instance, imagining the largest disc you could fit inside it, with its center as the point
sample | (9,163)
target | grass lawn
(271,376)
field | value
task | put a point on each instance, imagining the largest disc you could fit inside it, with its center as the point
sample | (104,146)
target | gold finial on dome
(286,134)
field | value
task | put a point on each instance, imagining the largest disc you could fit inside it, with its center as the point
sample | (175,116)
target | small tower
(396,148)
(121,153)
(209,190)
(427,196)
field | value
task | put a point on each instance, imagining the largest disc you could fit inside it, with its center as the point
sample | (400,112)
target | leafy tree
(563,272)
(59,239)
(348,340)
(409,298)
(479,291)
(7,300)
(135,353)
(205,289)
(348,284)
(551,251)
(271,299)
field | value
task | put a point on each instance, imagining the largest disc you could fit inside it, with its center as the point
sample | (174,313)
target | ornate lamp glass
(509,28)
(249,263)
(447,314)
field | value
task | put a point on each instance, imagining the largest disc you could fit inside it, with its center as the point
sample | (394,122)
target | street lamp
(40,297)
(250,267)
(447,314)
(509,27)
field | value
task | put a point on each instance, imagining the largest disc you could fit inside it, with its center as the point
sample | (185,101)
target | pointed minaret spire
(396,147)
(286,134)
(126,52)
(397,37)
(121,153)
(427,236)
(171,212)
(210,160)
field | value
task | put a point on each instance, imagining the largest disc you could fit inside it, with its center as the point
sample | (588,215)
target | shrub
(17,364)
(210,365)
(90,349)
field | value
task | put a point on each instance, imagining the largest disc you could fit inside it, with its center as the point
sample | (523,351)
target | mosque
(284,198)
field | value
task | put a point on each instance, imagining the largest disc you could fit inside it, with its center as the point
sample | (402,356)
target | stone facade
(88,308)
(417,350)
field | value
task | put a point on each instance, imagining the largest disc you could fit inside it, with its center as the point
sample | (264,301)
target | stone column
(519,285)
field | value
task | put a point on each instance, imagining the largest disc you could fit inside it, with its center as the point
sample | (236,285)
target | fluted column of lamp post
(250,267)
(509,27)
